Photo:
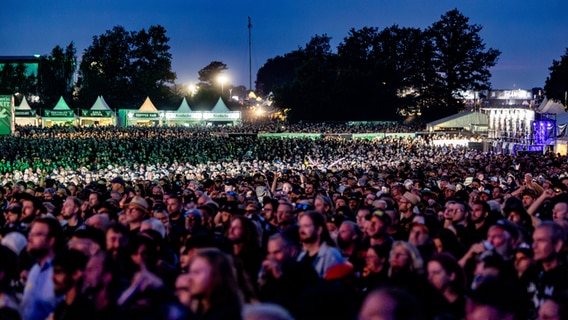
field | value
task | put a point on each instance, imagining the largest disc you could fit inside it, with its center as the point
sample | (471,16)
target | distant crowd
(187,223)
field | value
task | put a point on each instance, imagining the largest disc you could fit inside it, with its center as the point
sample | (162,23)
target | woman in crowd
(213,286)
(447,276)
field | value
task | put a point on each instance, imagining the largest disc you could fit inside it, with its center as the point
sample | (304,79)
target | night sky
(530,34)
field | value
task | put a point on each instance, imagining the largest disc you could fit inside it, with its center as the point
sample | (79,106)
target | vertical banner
(5,114)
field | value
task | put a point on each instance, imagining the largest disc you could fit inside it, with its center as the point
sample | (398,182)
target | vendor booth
(60,115)
(183,116)
(146,115)
(100,114)
(24,115)
(220,114)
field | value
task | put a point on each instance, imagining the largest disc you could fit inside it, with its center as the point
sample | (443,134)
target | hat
(117,180)
(15,241)
(232,207)
(508,226)
(385,218)
(451,187)
(429,193)
(139,203)
(414,199)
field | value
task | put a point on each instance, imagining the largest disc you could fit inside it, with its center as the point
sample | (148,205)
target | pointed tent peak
(543,104)
(61,105)
(251,95)
(184,106)
(24,105)
(220,107)
(100,104)
(148,106)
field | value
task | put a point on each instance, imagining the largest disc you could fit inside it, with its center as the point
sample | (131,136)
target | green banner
(96,113)
(25,113)
(5,115)
(59,113)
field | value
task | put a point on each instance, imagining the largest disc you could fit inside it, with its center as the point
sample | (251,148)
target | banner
(5,115)
(59,113)
(25,113)
(96,113)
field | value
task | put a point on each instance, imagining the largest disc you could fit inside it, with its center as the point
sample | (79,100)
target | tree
(277,72)
(55,74)
(106,69)
(151,64)
(209,75)
(556,84)
(13,79)
(125,67)
(460,59)
(310,95)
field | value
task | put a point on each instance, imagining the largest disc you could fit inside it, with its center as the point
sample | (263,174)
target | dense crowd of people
(191,223)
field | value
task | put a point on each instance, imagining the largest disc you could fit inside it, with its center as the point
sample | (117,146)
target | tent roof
(61,105)
(460,120)
(553,107)
(24,105)
(184,107)
(100,104)
(148,106)
(220,107)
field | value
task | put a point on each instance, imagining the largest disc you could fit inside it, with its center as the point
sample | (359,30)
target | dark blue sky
(530,34)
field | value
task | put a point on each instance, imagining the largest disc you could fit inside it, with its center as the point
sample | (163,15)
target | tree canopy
(381,74)
(126,67)
(556,84)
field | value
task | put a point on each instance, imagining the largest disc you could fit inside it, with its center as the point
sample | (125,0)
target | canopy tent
(458,121)
(551,107)
(99,114)
(146,115)
(221,113)
(24,115)
(61,114)
(183,115)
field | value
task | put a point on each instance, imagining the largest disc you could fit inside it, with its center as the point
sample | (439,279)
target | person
(495,299)
(375,272)
(391,303)
(552,276)
(39,298)
(71,214)
(318,247)
(447,276)
(282,278)
(287,221)
(243,234)
(68,268)
(103,284)
(213,286)
(137,210)
(349,241)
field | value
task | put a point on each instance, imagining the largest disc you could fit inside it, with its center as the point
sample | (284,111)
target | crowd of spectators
(186,223)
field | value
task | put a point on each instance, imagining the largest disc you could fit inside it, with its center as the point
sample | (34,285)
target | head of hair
(55,231)
(556,231)
(450,265)
(319,221)
(70,261)
(223,286)
(415,263)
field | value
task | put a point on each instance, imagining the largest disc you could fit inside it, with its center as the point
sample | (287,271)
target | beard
(343,244)
(311,238)
(38,253)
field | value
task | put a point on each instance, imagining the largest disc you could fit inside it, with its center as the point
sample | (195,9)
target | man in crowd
(39,299)
(318,248)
